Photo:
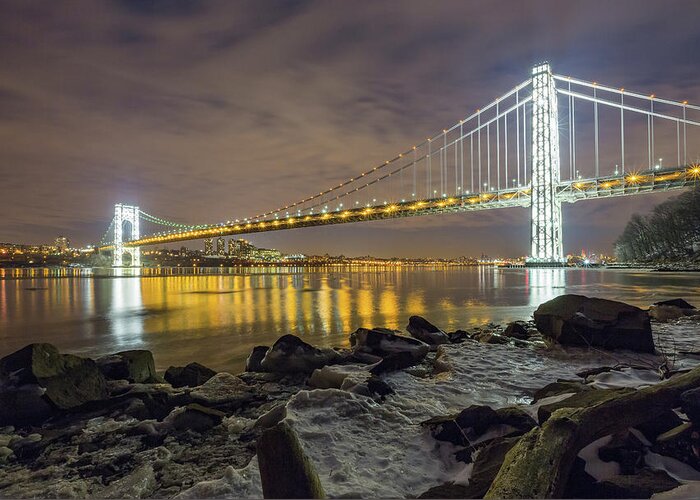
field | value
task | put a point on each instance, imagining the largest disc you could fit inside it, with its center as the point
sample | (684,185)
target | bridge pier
(545,214)
(125,214)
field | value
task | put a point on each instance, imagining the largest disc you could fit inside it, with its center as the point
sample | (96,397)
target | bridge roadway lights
(545,213)
(126,214)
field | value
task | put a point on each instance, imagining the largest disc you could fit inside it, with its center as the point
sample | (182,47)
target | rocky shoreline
(431,414)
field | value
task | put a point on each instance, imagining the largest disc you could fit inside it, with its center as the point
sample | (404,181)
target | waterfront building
(220,246)
(62,244)
(209,246)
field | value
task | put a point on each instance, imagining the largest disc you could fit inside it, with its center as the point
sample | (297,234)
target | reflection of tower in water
(543,284)
(126,312)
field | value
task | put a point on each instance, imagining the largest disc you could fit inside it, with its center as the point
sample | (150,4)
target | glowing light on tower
(123,214)
(545,229)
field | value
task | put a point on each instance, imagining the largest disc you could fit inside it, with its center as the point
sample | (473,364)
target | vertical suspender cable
(622,132)
(461,156)
(685,139)
(479,145)
(413,194)
(498,150)
(471,155)
(571,164)
(595,119)
(505,146)
(429,172)
(651,120)
(524,146)
(573,135)
(678,142)
(517,133)
(649,140)
(488,156)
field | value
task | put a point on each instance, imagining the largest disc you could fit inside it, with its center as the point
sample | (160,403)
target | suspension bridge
(550,140)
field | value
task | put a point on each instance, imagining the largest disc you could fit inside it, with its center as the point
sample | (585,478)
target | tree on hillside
(667,233)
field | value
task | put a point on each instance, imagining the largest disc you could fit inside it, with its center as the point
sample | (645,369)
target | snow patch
(594,465)
(625,377)
(235,483)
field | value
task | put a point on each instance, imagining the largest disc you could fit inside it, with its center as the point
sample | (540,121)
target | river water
(215,316)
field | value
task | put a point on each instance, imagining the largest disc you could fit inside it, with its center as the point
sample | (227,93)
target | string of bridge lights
(389,162)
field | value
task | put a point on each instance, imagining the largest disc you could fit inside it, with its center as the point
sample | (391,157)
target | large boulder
(67,381)
(382,343)
(223,390)
(582,321)
(192,375)
(253,362)
(666,310)
(426,332)
(290,354)
(285,470)
(135,366)
(194,417)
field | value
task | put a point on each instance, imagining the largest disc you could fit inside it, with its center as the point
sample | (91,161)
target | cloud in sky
(208,111)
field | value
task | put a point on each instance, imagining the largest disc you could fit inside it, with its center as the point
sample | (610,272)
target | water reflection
(545,284)
(215,316)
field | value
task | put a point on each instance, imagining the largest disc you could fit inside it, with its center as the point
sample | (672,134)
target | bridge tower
(125,214)
(545,228)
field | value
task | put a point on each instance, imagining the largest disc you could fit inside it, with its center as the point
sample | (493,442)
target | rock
(560,387)
(583,321)
(393,362)
(459,336)
(464,427)
(641,485)
(253,362)
(285,471)
(333,376)
(492,338)
(446,490)
(681,443)
(194,417)
(671,309)
(487,464)
(690,404)
(377,386)
(383,344)
(516,417)
(581,400)
(222,390)
(271,417)
(24,405)
(625,449)
(580,483)
(679,303)
(426,332)
(657,426)
(675,433)
(135,366)
(290,354)
(68,380)
(517,329)
(5,454)
(141,483)
(192,375)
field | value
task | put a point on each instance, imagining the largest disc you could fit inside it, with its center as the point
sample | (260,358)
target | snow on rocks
(290,354)
(425,331)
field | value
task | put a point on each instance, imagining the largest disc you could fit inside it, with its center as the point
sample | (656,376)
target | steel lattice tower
(122,214)
(545,229)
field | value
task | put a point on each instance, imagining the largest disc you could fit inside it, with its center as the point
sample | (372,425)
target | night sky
(209,111)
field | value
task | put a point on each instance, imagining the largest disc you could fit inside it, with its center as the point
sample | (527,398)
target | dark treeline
(670,232)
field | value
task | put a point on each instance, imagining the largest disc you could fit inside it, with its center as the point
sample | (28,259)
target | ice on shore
(364,448)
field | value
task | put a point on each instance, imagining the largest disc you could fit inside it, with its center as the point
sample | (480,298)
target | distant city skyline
(120,103)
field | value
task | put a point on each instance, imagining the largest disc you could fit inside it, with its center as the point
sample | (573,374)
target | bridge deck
(568,191)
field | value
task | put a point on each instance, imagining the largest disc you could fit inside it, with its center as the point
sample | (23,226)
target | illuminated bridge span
(551,139)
